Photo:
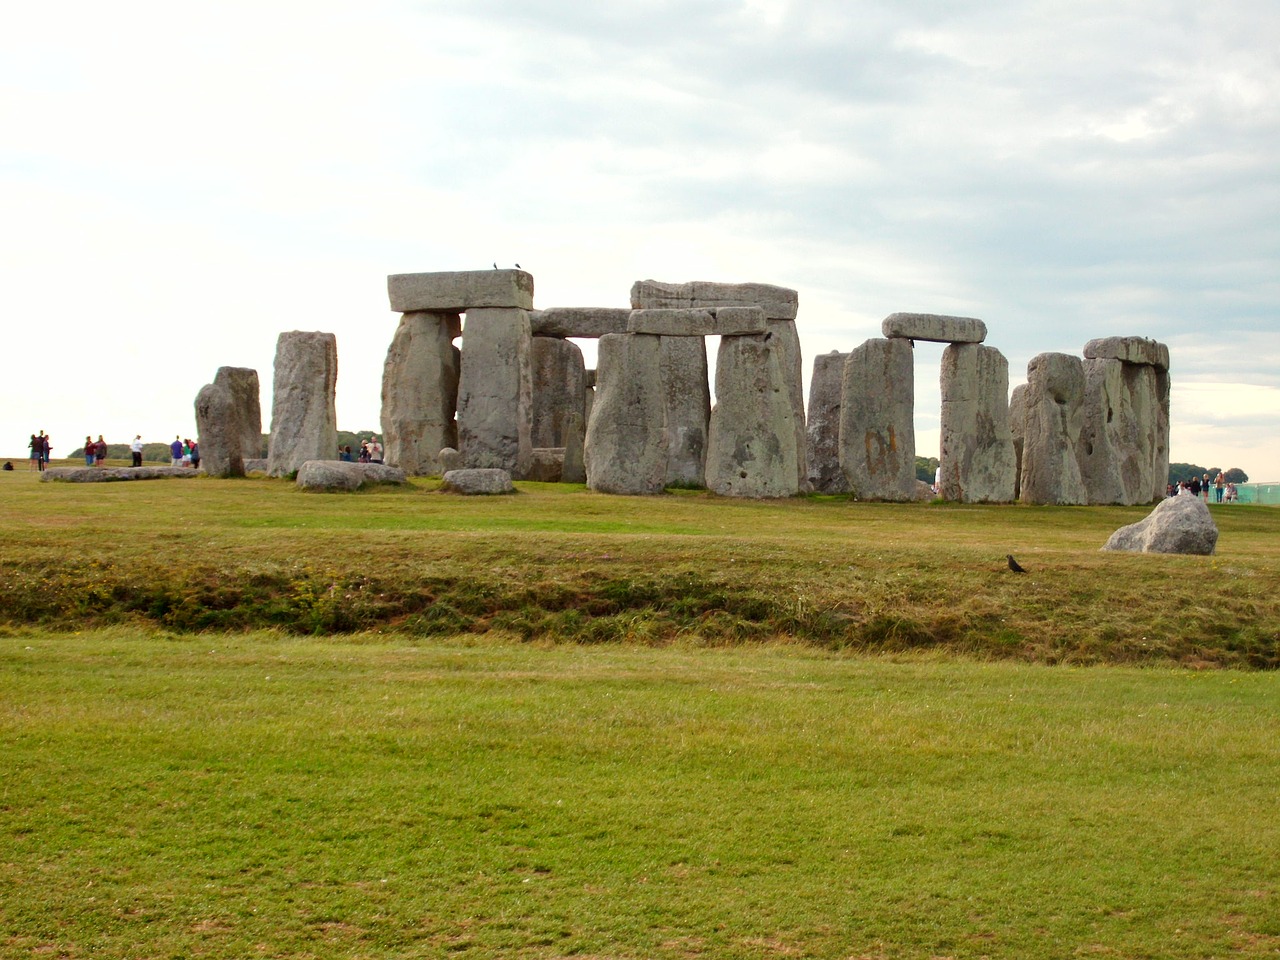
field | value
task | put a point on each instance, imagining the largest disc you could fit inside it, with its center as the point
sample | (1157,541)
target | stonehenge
(477,379)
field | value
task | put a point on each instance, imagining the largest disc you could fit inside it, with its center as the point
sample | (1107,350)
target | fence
(1261,493)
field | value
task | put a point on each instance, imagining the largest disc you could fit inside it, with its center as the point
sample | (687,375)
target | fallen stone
(1141,350)
(933,327)
(877,421)
(546,465)
(256,465)
(477,481)
(778,303)
(584,322)
(723,322)
(460,291)
(109,474)
(924,492)
(339,475)
(822,430)
(420,391)
(450,459)
(495,391)
(1054,403)
(626,443)
(303,414)
(1177,525)
(977,457)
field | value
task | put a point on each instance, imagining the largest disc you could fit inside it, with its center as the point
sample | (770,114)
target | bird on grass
(1013,564)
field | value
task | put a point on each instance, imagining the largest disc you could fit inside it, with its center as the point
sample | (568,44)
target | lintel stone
(586,322)
(778,303)
(723,322)
(1141,350)
(457,291)
(933,327)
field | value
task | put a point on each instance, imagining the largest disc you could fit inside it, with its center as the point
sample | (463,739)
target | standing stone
(1018,429)
(751,444)
(217,429)
(574,470)
(877,426)
(784,336)
(977,458)
(1160,459)
(559,380)
(304,417)
(495,405)
(242,383)
(686,394)
(822,430)
(420,391)
(1120,442)
(1054,419)
(626,445)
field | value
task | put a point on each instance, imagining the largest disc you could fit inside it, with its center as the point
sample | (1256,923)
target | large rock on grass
(108,474)
(1178,525)
(477,481)
(339,475)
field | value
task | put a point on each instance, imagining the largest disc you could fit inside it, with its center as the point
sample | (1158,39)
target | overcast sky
(179,183)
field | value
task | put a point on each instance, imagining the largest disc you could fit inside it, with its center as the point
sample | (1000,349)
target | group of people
(370,452)
(185,453)
(40,448)
(1223,491)
(95,451)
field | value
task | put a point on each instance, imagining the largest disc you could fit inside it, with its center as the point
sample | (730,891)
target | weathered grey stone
(778,303)
(450,459)
(687,395)
(256,465)
(477,481)
(626,444)
(591,376)
(924,492)
(559,380)
(877,426)
(546,464)
(242,384)
(585,322)
(751,443)
(978,461)
(1018,430)
(782,334)
(1053,421)
(109,474)
(1160,470)
(340,475)
(724,322)
(1177,525)
(218,432)
(303,415)
(495,408)
(1120,441)
(1129,349)
(573,469)
(933,327)
(822,430)
(460,291)
(420,391)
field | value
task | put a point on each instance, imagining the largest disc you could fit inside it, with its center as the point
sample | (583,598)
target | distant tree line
(1185,471)
(926,468)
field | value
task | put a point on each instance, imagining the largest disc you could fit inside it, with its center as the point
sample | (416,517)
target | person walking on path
(135,448)
(1220,485)
(175,452)
(194,447)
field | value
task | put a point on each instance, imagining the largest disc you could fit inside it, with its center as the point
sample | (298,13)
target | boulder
(585,322)
(751,442)
(303,414)
(450,459)
(933,327)
(460,291)
(978,462)
(722,322)
(477,481)
(256,465)
(822,430)
(559,382)
(1177,525)
(686,393)
(877,425)
(339,475)
(495,391)
(626,442)
(1054,404)
(546,464)
(420,391)
(109,474)
(778,303)
(1130,350)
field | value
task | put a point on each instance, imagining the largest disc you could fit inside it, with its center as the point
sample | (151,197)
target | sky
(180,183)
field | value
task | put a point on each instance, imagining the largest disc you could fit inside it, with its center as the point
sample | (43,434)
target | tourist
(344,454)
(36,452)
(364,451)
(1204,487)
(89,448)
(194,447)
(135,449)
(1232,493)
(45,448)
(1194,486)
(375,450)
(175,452)
(99,452)
(1220,485)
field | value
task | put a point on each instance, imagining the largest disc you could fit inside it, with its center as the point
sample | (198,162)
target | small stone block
(1141,350)
(586,322)
(457,291)
(724,321)
(477,481)
(933,327)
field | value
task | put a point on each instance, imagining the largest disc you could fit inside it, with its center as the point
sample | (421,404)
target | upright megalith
(977,461)
(626,442)
(559,383)
(686,393)
(303,412)
(229,422)
(420,391)
(822,426)
(495,391)
(1054,418)
(877,427)
(1018,430)
(751,443)
(783,336)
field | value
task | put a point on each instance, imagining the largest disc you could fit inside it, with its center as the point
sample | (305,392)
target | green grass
(556,562)
(265,795)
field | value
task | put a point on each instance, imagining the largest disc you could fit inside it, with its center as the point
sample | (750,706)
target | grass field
(560,724)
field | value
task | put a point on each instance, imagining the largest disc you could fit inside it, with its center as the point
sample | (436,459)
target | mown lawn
(212,795)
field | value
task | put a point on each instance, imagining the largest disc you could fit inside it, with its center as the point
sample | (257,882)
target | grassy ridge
(558,563)
(262,795)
